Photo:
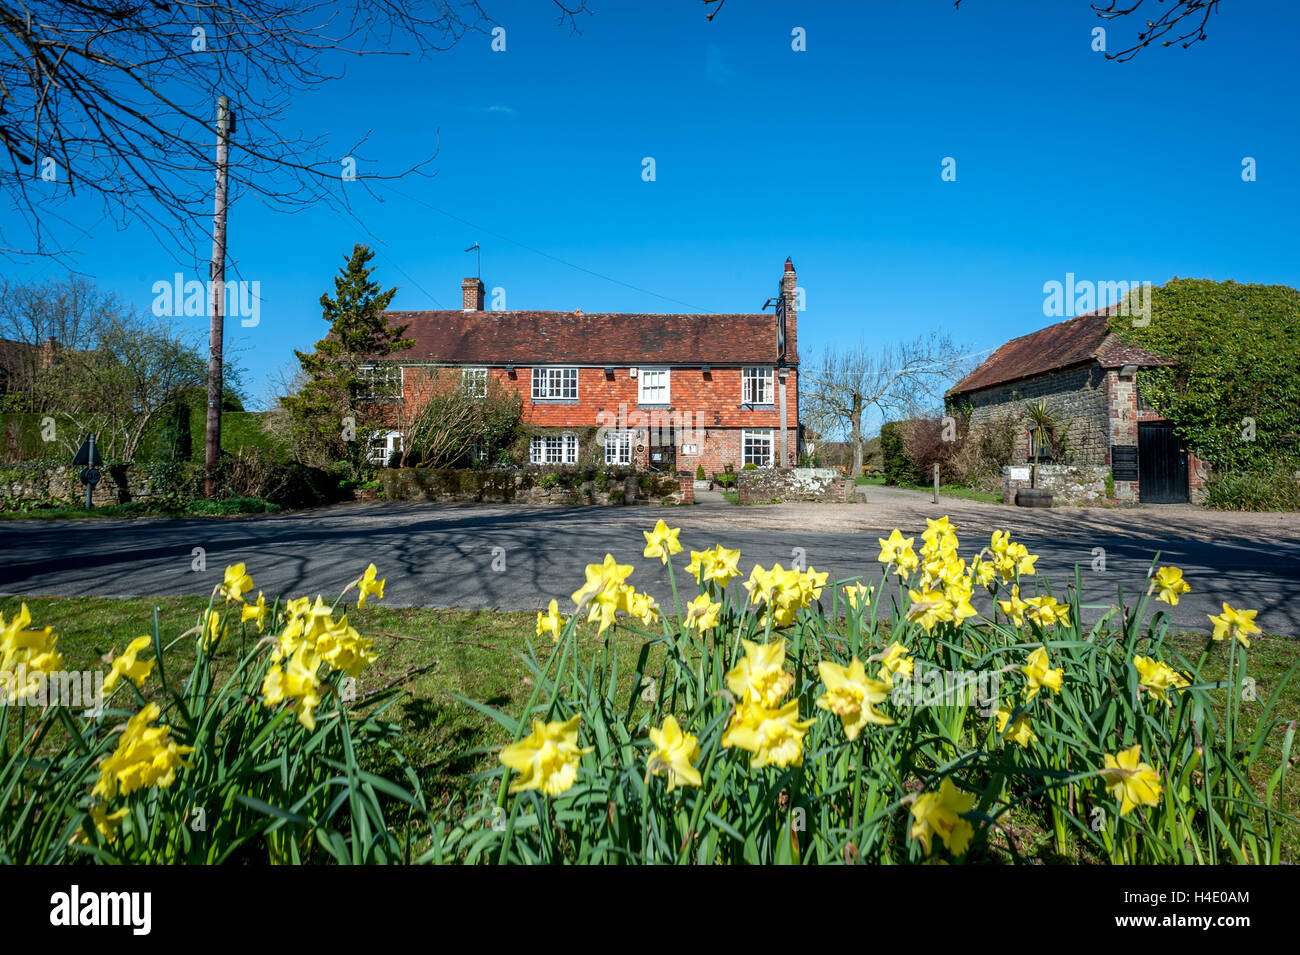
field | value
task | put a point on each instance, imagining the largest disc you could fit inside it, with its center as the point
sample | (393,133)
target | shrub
(750,466)
(898,469)
(1274,489)
(699,472)
(767,731)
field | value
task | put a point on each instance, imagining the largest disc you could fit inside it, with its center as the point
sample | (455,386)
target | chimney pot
(472,294)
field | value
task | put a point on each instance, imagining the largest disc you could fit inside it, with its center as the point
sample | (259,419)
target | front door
(1162,464)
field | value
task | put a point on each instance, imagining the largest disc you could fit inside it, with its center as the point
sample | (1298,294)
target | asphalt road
(515,558)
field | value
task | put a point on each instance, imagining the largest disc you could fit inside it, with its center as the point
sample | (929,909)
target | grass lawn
(231,507)
(433,654)
(945,490)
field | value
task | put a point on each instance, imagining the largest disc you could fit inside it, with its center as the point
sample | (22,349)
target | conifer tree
(331,405)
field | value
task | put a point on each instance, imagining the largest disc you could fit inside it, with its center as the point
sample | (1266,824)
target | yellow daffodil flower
(1046,612)
(107,823)
(643,607)
(24,651)
(858,595)
(897,554)
(896,662)
(236,582)
(1158,677)
(1138,784)
(702,613)
(550,622)
(145,756)
(850,694)
(662,541)
(1235,623)
(367,584)
(1169,581)
(1039,674)
(341,647)
(928,608)
(609,575)
(254,611)
(1021,732)
(126,665)
(295,679)
(760,678)
(773,736)
(1015,608)
(213,627)
(675,754)
(547,758)
(941,814)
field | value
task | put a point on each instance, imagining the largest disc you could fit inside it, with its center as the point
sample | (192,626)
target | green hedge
(20,436)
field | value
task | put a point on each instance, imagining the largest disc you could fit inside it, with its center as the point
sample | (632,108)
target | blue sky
(1065,162)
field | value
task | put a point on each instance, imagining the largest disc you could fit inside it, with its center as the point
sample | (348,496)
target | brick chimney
(789,292)
(48,351)
(790,298)
(472,295)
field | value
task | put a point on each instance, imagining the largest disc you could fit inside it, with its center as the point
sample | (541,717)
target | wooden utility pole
(217,304)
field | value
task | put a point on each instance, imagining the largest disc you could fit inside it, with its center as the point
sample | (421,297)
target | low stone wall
(784,485)
(556,488)
(40,480)
(1069,483)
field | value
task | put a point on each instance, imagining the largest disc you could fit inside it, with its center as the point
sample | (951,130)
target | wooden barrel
(1033,497)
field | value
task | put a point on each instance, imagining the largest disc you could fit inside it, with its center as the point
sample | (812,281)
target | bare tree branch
(1169,21)
(116,98)
(840,387)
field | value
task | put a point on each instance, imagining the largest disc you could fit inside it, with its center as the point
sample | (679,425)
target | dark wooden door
(1162,464)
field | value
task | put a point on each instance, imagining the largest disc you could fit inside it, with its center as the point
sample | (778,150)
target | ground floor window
(618,447)
(555,449)
(756,448)
(383,445)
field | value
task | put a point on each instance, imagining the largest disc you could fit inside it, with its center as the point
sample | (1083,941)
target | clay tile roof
(1075,341)
(535,337)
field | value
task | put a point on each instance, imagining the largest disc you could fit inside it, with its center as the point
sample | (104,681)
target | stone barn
(1090,380)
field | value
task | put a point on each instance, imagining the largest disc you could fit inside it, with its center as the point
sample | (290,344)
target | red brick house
(665,391)
(1089,378)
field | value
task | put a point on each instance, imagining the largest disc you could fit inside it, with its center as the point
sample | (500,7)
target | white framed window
(756,448)
(379,383)
(554,449)
(618,447)
(475,381)
(756,386)
(383,444)
(654,386)
(555,383)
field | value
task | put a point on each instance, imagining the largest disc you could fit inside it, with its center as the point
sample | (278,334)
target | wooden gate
(1162,464)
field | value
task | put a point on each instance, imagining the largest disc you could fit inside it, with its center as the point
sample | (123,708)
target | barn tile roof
(541,337)
(1075,341)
